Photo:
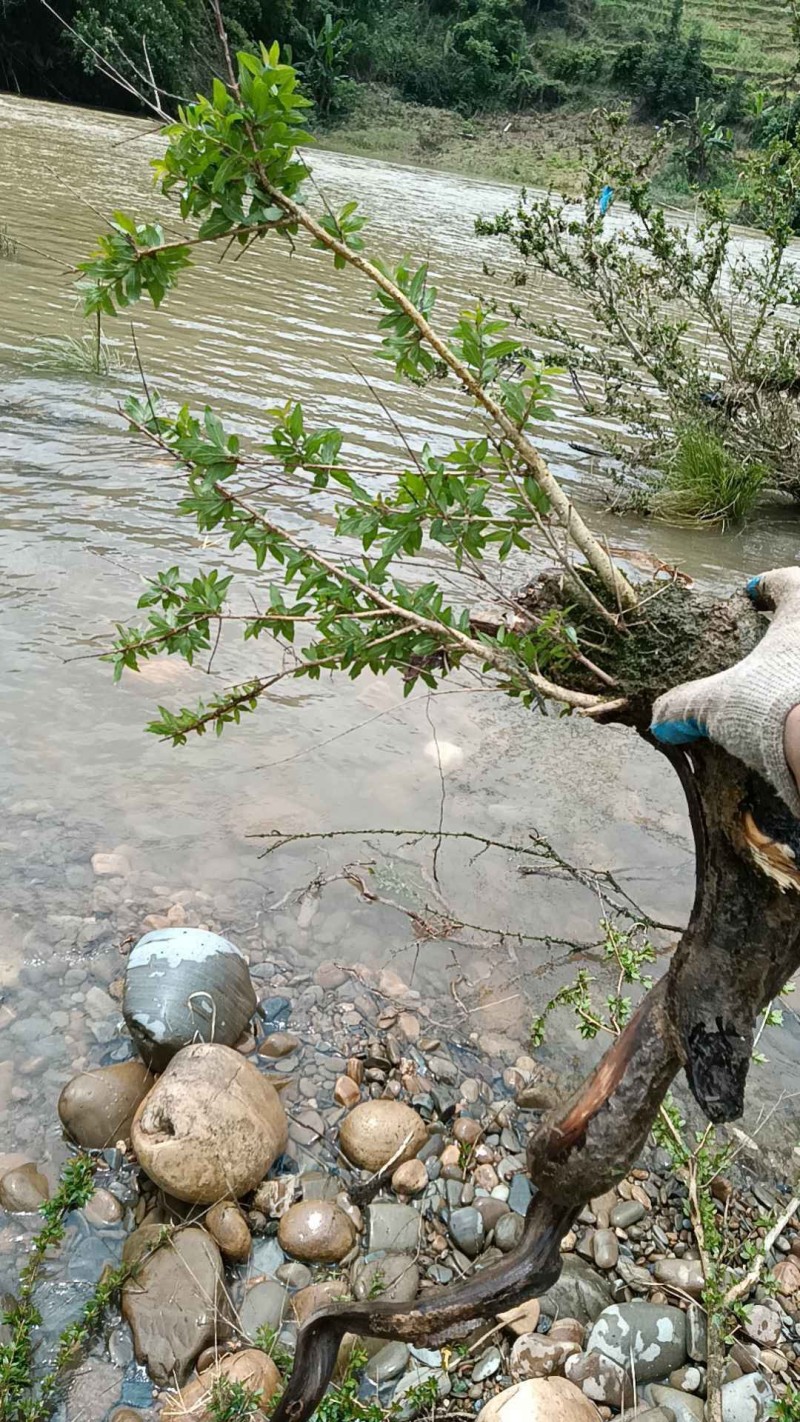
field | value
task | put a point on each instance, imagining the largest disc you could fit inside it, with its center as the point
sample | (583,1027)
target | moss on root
(681,634)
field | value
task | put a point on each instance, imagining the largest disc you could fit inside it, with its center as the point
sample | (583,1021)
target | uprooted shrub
(691,326)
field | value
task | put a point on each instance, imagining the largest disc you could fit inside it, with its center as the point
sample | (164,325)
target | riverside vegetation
(425,77)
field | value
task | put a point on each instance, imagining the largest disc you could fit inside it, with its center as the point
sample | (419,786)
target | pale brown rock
(377,1132)
(277,1044)
(537,1356)
(176,1303)
(23,1190)
(273,1197)
(97,1107)
(467,1131)
(567,1330)
(316,1296)
(539,1400)
(346,1093)
(522,1319)
(227,1225)
(252,1368)
(316,1231)
(485,1177)
(787,1273)
(410,1178)
(110,865)
(409,1025)
(211,1126)
(103,1208)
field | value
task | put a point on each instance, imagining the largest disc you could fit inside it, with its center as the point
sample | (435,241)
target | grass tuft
(705,483)
(84,354)
(9,246)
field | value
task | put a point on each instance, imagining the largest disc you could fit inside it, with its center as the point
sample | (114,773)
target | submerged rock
(97,1107)
(211,1126)
(23,1190)
(183,985)
(175,1304)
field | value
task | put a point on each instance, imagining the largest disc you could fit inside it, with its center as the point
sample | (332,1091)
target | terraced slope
(741,36)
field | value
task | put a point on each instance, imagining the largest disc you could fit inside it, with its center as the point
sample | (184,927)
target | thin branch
(486,653)
(567,515)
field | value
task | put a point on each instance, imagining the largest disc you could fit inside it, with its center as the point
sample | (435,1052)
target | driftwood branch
(741,945)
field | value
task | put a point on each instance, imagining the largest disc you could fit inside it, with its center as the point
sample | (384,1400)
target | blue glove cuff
(753,588)
(678,733)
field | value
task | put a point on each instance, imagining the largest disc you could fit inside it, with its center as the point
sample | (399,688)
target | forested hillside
(464,54)
(498,88)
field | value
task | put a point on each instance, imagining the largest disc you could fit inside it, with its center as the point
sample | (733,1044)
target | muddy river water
(86,515)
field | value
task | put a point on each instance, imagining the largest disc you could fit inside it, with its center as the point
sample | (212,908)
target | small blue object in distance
(605,199)
(678,733)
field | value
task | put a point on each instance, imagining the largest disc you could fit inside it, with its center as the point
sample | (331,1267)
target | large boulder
(253,1368)
(211,1126)
(649,1338)
(185,985)
(97,1107)
(540,1400)
(377,1132)
(175,1304)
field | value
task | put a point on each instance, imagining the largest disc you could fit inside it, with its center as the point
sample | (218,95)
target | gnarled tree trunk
(740,947)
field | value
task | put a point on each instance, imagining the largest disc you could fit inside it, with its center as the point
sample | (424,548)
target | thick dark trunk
(741,945)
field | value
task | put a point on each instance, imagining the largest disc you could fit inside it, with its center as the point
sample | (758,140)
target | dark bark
(741,945)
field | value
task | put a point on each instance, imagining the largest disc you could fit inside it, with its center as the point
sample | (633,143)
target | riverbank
(363,1157)
(535,149)
(539,149)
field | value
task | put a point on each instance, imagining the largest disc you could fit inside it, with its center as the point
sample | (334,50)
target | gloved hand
(744,709)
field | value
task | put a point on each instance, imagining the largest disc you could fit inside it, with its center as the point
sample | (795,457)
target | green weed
(705,483)
(82,354)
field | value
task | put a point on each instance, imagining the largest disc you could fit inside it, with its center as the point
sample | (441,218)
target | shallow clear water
(86,515)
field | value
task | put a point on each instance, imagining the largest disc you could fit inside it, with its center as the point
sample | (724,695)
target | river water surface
(86,515)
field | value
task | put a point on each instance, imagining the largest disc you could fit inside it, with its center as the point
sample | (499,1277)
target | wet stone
(467,1231)
(652,1335)
(392,1277)
(393,1227)
(606,1249)
(626,1213)
(294,1274)
(508,1231)
(387,1363)
(520,1194)
(265,1304)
